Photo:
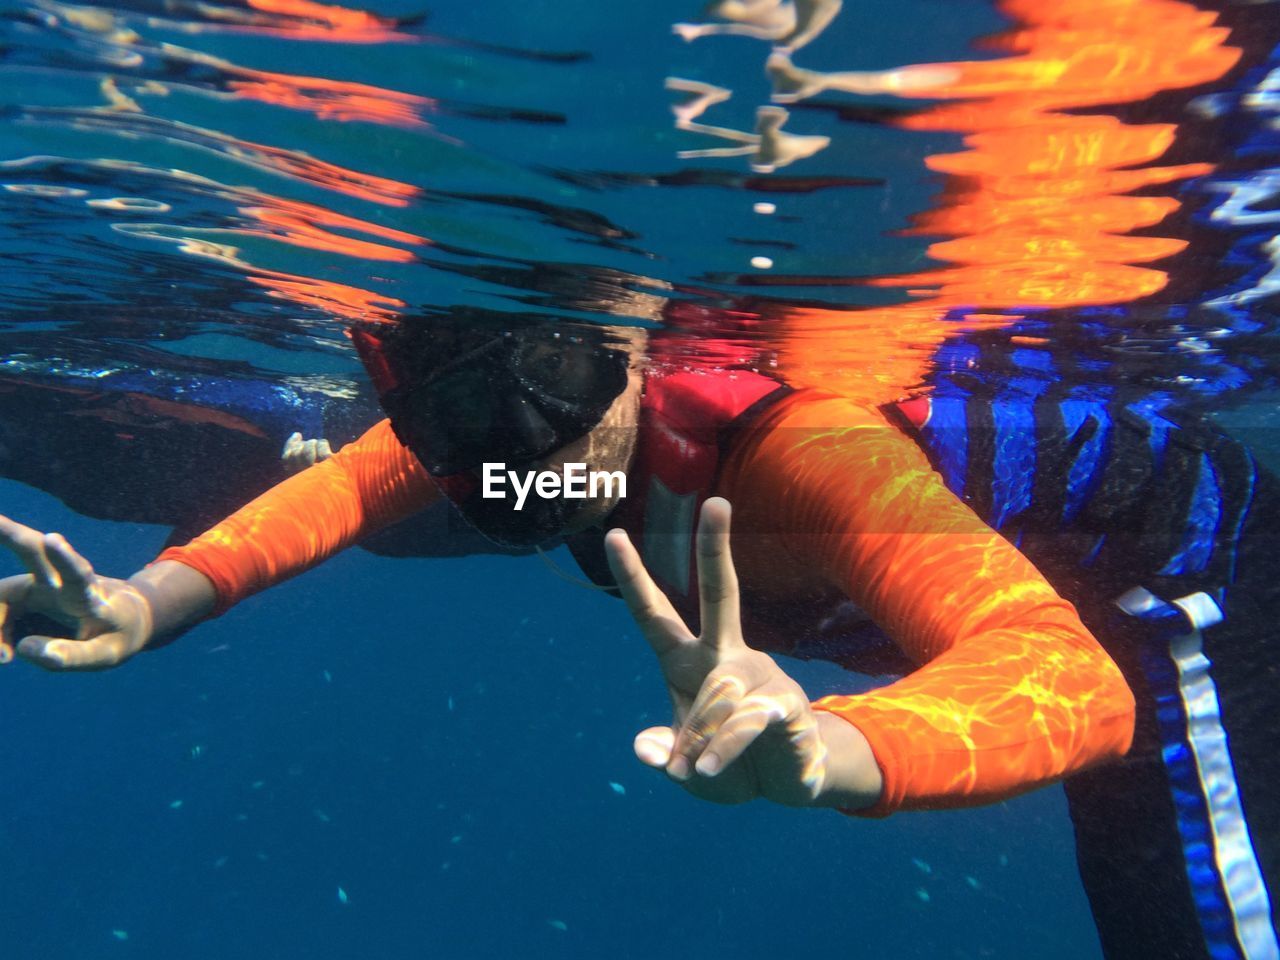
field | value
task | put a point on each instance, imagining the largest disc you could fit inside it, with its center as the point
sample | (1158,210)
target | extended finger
(15,590)
(653,612)
(715,704)
(717,579)
(6,635)
(753,716)
(28,546)
(13,593)
(78,595)
(59,653)
(653,746)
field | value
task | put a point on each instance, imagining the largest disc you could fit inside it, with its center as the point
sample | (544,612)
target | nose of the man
(531,435)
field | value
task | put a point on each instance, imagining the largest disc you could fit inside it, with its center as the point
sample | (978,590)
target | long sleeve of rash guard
(1012,692)
(301,521)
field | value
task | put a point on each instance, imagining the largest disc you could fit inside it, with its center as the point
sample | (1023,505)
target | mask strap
(569,577)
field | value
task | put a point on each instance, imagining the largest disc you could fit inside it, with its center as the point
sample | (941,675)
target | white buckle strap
(1200,609)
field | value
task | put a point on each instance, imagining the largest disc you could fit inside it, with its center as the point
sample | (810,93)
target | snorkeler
(832,499)
(1078,532)
(1102,496)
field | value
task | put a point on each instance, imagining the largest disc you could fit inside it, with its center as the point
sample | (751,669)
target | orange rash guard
(302,521)
(1013,693)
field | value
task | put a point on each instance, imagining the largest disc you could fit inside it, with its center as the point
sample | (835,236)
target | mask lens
(455,421)
(514,397)
(465,393)
(578,375)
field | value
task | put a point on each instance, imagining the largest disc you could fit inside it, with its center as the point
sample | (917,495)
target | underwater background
(212,798)
(406,757)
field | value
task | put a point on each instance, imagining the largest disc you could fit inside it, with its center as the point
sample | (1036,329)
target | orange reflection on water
(262,156)
(338,299)
(347,24)
(351,183)
(333,99)
(1080,53)
(307,225)
(1036,209)
(872,356)
(292,19)
(302,224)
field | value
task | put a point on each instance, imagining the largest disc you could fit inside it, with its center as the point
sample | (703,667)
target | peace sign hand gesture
(743,728)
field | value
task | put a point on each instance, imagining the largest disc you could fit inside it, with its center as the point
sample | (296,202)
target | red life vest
(686,419)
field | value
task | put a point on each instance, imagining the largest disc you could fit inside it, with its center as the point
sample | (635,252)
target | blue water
(454,833)
(403,758)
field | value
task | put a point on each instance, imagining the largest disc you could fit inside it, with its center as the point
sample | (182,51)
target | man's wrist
(853,779)
(177,598)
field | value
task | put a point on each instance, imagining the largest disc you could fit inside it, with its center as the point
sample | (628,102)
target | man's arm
(293,526)
(1013,691)
(309,517)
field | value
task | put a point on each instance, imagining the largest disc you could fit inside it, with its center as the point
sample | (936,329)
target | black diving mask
(512,397)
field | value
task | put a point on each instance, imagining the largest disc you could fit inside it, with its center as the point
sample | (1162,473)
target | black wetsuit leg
(1128,847)
(1172,866)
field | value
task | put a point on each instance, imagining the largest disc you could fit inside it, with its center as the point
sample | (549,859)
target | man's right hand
(298,454)
(107,620)
(743,728)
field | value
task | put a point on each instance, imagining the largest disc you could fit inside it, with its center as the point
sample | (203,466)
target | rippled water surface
(197,198)
(235,182)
